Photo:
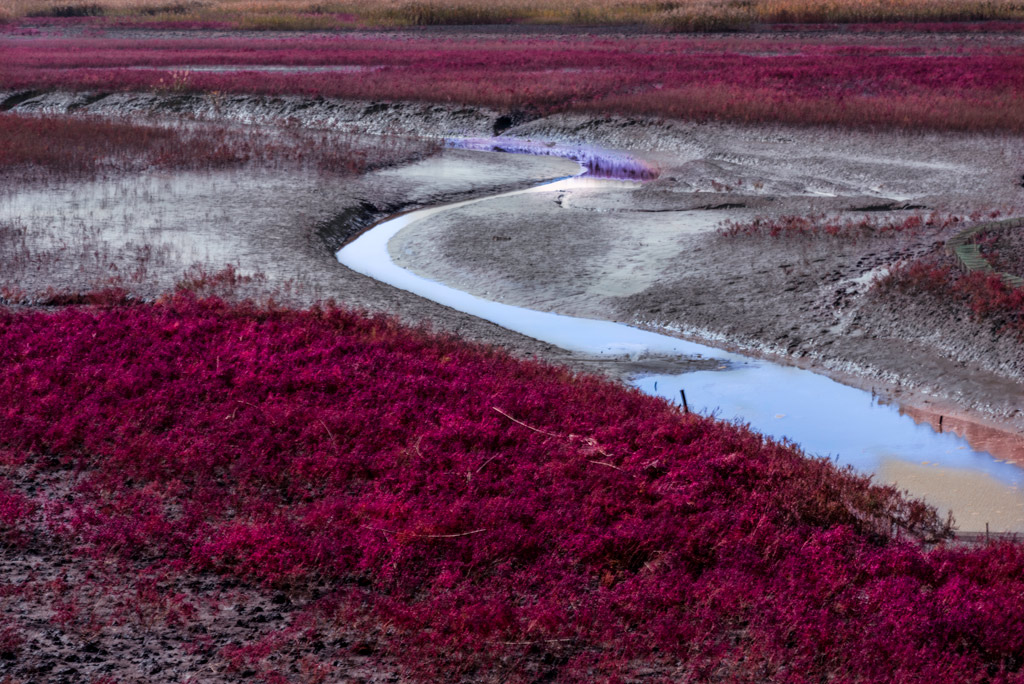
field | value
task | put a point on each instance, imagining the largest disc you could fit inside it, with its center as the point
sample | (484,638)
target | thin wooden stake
(940,424)
(686,408)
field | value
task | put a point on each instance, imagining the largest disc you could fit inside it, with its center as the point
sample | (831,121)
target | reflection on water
(824,417)
(598,162)
(1002,445)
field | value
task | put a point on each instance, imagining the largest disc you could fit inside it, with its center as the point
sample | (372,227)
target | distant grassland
(672,15)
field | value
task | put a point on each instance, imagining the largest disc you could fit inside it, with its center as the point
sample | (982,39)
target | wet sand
(964,492)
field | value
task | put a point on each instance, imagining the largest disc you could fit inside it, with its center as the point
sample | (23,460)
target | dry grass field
(674,15)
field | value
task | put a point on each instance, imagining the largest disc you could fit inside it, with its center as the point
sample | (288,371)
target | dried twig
(487,461)
(610,465)
(589,441)
(528,427)
(531,643)
(330,434)
(386,533)
(450,536)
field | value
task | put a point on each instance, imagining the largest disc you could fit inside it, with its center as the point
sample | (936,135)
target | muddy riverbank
(653,256)
(649,256)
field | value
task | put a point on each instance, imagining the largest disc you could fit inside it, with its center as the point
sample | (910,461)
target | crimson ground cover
(475,515)
(957,84)
(985,296)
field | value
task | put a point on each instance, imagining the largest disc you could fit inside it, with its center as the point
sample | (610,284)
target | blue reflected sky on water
(824,417)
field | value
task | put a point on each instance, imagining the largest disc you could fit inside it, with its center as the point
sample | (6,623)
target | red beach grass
(958,85)
(478,516)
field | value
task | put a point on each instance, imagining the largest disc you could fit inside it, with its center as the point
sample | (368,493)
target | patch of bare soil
(69,617)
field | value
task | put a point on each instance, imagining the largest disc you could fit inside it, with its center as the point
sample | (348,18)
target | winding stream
(824,417)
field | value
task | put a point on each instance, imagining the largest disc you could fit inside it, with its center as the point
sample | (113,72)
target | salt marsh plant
(491,516)
(59,148)
(973,85)
(985,296)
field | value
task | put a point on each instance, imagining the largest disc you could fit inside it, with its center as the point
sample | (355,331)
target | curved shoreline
(907,399)
(369,255)
(965,164)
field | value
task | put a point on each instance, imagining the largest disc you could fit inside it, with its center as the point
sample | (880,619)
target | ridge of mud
(373,117)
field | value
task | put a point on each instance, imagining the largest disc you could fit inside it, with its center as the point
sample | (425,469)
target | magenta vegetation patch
(987,296)
(959,84)
(472,515)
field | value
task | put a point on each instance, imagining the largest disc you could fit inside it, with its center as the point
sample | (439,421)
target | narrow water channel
(820,415)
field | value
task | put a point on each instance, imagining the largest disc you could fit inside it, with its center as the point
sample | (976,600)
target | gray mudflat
(652,255)
(151,228)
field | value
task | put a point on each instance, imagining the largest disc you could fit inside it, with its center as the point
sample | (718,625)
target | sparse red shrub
(986,295)
(65,147)
(11,641)
(847,228)
(1004,249)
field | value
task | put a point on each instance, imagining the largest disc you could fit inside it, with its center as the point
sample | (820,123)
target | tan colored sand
(974,498)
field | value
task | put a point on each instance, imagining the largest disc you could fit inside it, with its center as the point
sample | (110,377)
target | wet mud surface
(645,255)
(146,232)
(651,255)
